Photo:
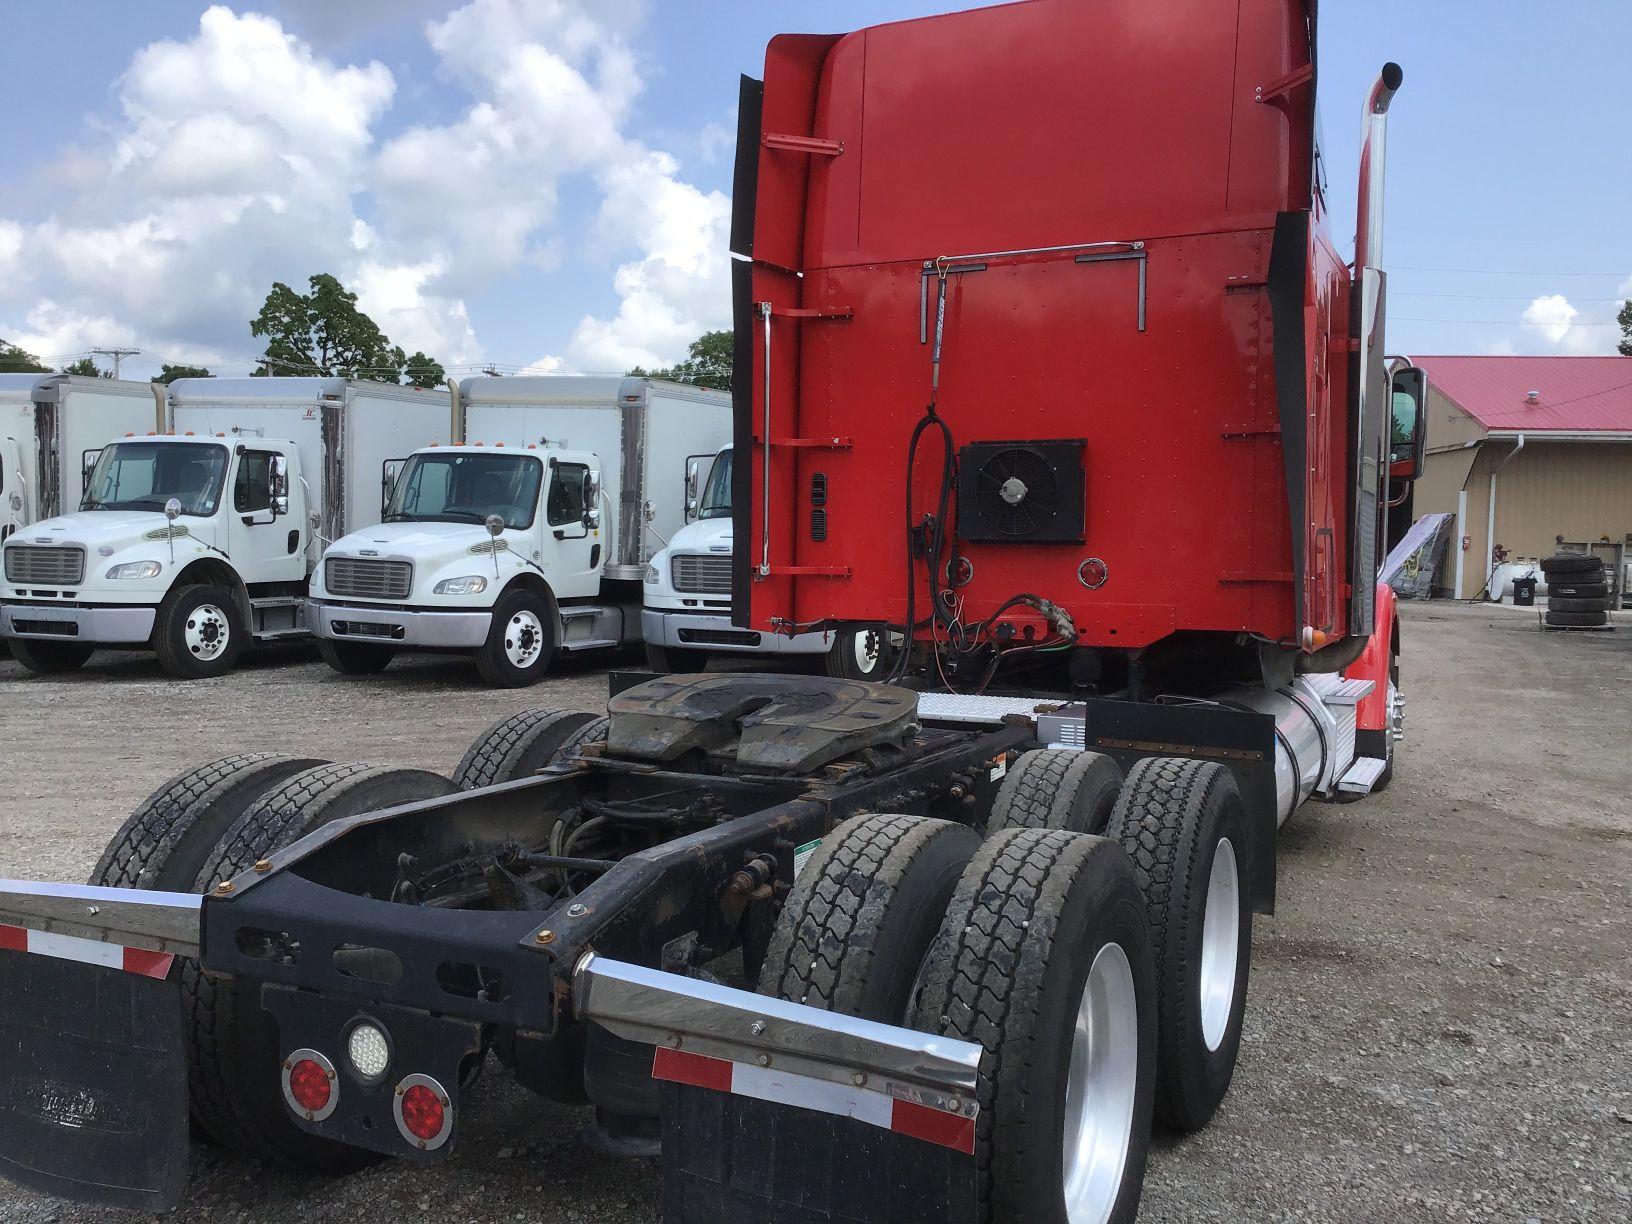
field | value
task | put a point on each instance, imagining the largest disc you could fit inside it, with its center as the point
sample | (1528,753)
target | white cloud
(1563,326)
(680,285)
(242,155)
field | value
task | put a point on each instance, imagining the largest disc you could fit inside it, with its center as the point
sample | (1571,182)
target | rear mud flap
(730,1159)
(93,1083)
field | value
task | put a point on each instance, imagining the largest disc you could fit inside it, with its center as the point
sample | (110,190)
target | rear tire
(1044,959)
(1567,588)
(199,632)
(592,732)
(1560,603)
(669,660)
(356,658)
(1184,825)
(521,642)
(1572,563)
(1054,788)
(1578,620)
(167,840)
(860,652)
(863,912)
(517,747)
(50,658)
(233,1048)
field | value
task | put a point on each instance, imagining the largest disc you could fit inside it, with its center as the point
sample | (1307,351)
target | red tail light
(309,1085)
(424,1112)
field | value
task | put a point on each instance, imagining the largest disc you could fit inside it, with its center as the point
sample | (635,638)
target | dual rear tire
(212,823)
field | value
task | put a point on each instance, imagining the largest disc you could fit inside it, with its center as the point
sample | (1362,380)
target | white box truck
(687,613)
(51,428)
(531,537)
(198,539)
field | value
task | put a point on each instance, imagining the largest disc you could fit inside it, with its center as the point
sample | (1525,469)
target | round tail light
(309,1085)
(424,1112)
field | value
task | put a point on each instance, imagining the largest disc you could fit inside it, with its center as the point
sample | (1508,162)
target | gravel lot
(1440,1024)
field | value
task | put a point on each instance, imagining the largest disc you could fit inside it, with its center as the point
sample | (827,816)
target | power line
(1499,271)
(118,355)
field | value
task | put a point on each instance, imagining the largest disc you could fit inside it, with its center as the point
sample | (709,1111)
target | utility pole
(118,354)
(492,373)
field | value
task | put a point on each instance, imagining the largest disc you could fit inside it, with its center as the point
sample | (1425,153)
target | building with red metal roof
(1525,451)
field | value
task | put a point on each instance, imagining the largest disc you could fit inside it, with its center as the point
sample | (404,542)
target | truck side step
(589,644)
(1362,775)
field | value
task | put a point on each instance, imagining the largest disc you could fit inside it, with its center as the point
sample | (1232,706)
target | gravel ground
(1440,1024)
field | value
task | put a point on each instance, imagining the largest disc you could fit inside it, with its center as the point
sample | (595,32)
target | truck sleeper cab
(492,551)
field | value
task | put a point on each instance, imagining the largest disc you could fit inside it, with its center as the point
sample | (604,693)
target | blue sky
(151,186)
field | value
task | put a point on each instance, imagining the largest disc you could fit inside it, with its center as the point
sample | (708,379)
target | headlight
(136,569)
(470,584)
(652,575)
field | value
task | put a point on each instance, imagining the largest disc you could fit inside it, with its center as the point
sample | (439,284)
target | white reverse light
(368,1050)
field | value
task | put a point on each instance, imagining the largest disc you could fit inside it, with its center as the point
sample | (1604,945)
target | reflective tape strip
(762,1083)
(86,951)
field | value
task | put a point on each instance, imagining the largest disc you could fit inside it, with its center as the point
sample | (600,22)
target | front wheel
(49,658)
(862,652)
(668,660)
(355,658)
(199,632)
(520,643)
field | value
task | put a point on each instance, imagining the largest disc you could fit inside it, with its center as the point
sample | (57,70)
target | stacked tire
(1577,591)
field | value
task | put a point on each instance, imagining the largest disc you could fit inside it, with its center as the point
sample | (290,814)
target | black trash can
(1524,592)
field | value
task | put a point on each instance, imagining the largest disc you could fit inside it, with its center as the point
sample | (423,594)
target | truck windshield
(146,475)
(465,488)
(717,493)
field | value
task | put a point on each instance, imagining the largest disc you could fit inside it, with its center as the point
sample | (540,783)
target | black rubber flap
(779,723)
(737,1160)
(93,1083)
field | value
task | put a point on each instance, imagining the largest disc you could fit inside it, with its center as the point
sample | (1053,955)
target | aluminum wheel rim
(1099,1089)
(1220,944)
(524,639)
(865,647)
(206,632)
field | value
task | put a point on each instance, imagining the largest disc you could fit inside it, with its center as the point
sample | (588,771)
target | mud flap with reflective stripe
(93,1081)
(730,1159)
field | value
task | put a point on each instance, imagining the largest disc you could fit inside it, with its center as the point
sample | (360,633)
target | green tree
(14,360)
(419,370)
(86,368)
(707,363)
(323,332)
(1625,320)
(170,373)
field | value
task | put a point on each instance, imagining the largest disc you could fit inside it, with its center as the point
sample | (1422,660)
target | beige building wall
(1580,490)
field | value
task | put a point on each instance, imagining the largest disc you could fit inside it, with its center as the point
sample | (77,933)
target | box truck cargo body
(199,538)
(51,428)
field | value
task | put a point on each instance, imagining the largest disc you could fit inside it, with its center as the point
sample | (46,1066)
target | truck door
(13,499)
(574,542)
(266,538)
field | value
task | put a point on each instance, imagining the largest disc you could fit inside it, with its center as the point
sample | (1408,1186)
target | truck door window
(567,494)
(252,490)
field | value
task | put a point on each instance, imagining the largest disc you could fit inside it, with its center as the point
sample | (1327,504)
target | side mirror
(87,464)
(494,525)
(592,507)
(694,484)
(389,471)
(1408,424)
(280,484)
(172,509)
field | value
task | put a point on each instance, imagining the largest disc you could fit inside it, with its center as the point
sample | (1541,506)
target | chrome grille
(701,575)
(358,579)
(48,566)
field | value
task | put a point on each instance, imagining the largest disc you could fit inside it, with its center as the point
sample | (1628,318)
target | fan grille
(1017,492)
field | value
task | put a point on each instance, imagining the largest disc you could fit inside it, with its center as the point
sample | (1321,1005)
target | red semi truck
(1059,388)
